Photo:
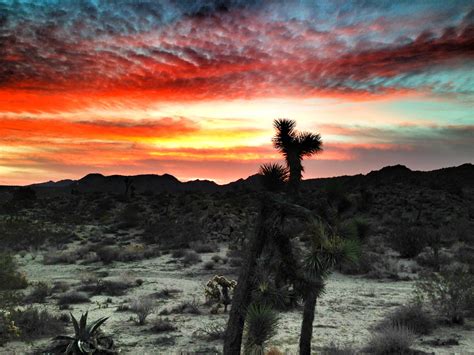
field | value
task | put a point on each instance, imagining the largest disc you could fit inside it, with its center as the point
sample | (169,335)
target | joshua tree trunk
(296,169)
(307,324)
(242,292)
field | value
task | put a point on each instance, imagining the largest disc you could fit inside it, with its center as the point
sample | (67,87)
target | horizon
(240,178)
(192,89)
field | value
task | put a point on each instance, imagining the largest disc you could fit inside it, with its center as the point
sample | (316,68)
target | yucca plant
(87,339)
(274,176)
(326,250)
(260,325)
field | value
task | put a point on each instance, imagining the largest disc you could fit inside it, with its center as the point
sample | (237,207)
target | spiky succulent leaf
(308,143)
(261,325)
(75,323)
(274,176)
(92,328)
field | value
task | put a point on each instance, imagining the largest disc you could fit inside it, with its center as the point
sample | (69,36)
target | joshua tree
(326,249)
(270,225)
(295,146)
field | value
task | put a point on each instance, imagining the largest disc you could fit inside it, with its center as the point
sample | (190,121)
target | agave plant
(87,339)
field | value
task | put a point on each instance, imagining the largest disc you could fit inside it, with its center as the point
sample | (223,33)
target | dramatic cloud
(160,86)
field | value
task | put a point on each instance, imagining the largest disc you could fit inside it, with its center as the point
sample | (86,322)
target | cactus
(218,291)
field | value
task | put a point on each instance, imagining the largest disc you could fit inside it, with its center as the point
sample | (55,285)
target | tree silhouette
(325,250)
(294,146)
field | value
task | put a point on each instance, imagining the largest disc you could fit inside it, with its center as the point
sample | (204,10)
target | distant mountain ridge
(452,177)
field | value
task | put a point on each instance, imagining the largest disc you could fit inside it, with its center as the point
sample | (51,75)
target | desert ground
(109,254)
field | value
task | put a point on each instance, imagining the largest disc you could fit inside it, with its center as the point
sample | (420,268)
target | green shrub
(10,278)
(392,339)
(449,292)
(261,323)
(412,316)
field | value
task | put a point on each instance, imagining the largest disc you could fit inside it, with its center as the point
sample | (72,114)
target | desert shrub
(261,323)
(178,253)
(337,349)
(21,233)
(73,297)
(106,287)
(392,339)
(34,324)
(59,257)
(235,262)
(211,332)
(129,216)
(60,287)
(8,328)
(216,258)
(132,252)
(189,307)
(142,307)
(449,292)
(201,247)
(409,241)
(166,293)
(10,299)
(10,278)
(108,254)
(161,325)
(209,265)
(39,293)
(191,258)
(412,316)
(174,232)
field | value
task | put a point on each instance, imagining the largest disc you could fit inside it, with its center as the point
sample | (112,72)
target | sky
(191,88)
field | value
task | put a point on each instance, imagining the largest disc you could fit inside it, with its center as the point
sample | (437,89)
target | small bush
(392,339)
(106,287)
(39,293)
(201,248)
(163,325)
(34,324)
(211,332)
(52,258)
(336,349)
(108,254)
(450,293)
(10,278)
(412,316)
(60,287)
(178,253)
(189,307)
(166,293)
(191,258)
(409,241)
(73,297)
(142,307)
(209,265)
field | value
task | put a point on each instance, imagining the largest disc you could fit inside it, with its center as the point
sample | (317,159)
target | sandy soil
(345,314)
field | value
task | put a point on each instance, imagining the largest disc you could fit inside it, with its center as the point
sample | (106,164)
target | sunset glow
(191,88)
